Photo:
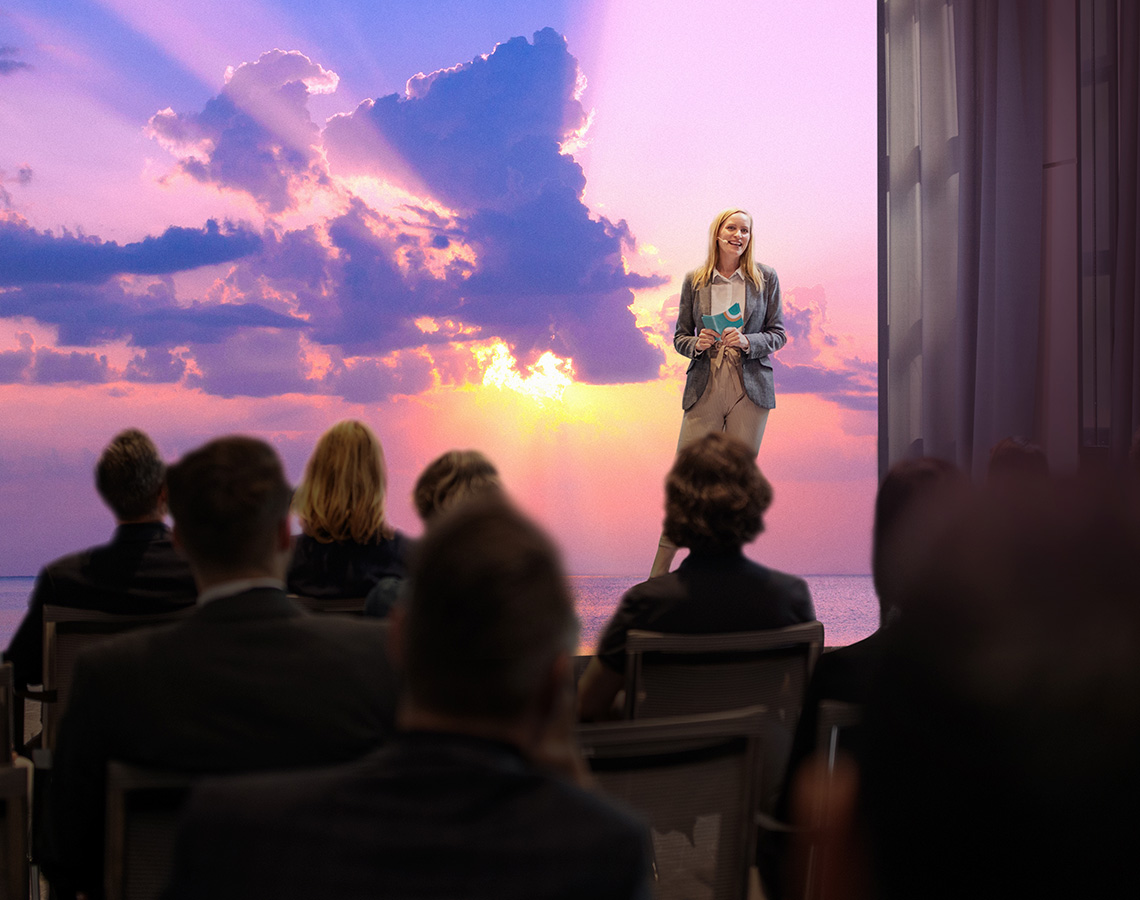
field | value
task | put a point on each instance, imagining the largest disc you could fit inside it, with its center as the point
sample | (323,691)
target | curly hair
(715,495)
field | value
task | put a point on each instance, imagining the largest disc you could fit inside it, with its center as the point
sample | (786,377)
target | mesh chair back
(6,724)
(354,605)
(143,806)
(683,674)
(67,633)
(692,779)
(14,882)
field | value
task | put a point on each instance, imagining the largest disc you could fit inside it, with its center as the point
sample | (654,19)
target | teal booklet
(733,317)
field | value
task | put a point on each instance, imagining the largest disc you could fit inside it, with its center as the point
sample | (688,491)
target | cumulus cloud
(28,256)
(256,135)
(489,240)
(484,139)
(812,361)
(9,65)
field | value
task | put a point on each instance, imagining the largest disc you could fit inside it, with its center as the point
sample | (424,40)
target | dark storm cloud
(484,139)
(89,315)
(256,135)
(28,256)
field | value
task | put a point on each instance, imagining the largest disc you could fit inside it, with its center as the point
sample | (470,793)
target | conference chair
(682,674)
(350,605)
(143,806)
(14,869)
(69,631)
(692,778)
(7,705)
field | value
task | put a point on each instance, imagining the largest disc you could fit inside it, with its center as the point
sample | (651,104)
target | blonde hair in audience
(342,495)
(702,275)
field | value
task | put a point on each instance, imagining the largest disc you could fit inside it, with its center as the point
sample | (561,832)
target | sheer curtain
(1125,379)
(964,84)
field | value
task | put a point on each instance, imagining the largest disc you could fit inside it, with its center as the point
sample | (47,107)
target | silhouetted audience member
(139,571)
(346,544)
(1016,460)
(475,798)
(715,499)
(248,681)
(913,502)
(999,746)
(1134,454)
(452,478)
(455,476)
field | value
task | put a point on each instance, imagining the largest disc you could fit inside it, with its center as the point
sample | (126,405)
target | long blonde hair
(341,497)
(703,275)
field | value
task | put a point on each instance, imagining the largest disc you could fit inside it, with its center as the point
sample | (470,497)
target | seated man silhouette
(249,680)
(139,571)
(1000,738)
(473,799)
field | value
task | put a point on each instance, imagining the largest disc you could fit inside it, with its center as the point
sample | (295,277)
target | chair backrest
(14,881)
(7,732)
(692,779)
(680,674)
(69,631)
(836,719)
(353,605)
(143,806)
(685,674)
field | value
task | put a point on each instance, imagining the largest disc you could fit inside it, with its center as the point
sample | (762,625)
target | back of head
(129,476)
(343,492)
(452,478)
(489,611)
(228,499)
(914,499)
(1000,744)
(715,496)
(1017,460)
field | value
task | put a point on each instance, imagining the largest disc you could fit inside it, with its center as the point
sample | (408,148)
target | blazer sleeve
(684,339)
(771,336)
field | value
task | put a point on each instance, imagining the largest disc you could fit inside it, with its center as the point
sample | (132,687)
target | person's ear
(825,803)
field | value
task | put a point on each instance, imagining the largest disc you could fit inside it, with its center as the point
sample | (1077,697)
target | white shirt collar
(233,588)
(737,275)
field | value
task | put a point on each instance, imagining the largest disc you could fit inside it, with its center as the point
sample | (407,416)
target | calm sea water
(846,605)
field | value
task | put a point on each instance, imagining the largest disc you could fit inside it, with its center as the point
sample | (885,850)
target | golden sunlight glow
(545,380)
(426,324)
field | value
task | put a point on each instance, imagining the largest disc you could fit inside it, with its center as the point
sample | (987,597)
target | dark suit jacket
(244,683)
(763,326)
(709,593)
(139,571)
(429,815)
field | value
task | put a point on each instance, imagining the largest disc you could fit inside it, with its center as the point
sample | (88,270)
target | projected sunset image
(465,224)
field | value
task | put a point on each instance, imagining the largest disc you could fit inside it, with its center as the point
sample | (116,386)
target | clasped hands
(731,337)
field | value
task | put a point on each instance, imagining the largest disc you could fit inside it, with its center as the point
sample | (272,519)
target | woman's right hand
(706,339)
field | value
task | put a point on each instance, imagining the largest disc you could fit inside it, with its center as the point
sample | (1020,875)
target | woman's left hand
(733,338)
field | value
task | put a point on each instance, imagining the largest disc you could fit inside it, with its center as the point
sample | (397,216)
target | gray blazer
(763,326)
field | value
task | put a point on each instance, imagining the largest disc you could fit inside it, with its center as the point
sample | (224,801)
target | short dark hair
(489,610)
(227,499)
(715,495)
(450,478)
(1017,457)
(1008,706)
(915,493)
(129,475)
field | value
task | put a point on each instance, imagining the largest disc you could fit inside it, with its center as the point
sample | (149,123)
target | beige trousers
(723,407)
